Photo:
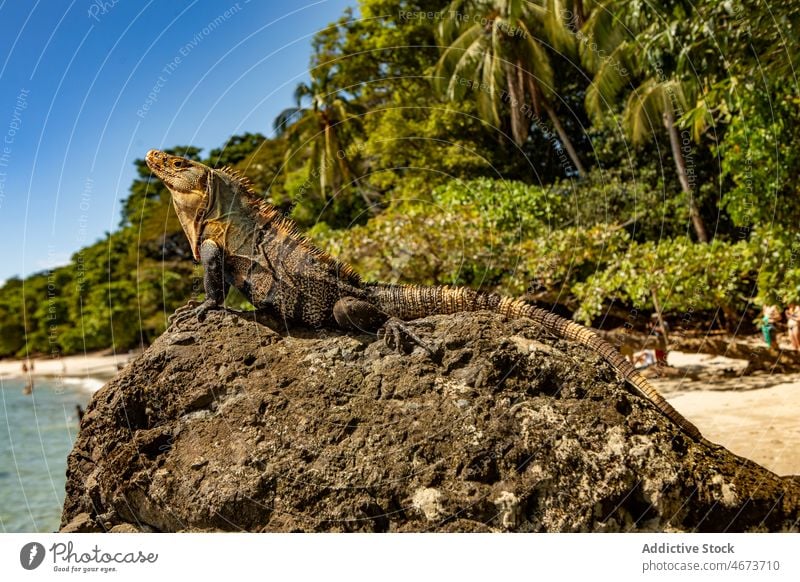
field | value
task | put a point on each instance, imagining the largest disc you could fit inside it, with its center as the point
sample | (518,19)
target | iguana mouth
(157,161)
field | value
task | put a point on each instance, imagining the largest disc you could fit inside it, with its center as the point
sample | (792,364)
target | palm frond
(644,110)
(537,65)
(556,29)
(450,26)
(286,118)
(611,76)
(455,60)
(487,91)
(604,30)
(302,90)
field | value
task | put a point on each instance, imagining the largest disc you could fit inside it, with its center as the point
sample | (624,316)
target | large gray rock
(228,425)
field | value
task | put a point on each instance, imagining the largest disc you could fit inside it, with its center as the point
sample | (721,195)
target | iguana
(243,241)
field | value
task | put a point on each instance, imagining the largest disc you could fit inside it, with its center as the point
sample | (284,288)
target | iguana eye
(178,164)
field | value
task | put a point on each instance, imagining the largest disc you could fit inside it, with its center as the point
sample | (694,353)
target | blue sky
(87,87)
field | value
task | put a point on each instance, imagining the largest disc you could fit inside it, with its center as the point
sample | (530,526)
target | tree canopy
(603,156)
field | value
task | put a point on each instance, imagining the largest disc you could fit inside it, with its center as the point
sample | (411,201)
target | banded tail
(408,302)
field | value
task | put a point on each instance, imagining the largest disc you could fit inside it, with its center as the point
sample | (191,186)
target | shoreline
(91,369)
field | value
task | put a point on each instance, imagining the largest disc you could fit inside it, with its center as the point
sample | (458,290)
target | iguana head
(190,185)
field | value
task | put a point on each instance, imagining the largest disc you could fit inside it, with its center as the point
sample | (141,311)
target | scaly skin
(246,242)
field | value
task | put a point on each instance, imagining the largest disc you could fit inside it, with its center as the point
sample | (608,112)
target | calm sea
(36,435)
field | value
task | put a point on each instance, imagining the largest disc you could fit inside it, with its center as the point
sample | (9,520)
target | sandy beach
(755,416)
(97,365)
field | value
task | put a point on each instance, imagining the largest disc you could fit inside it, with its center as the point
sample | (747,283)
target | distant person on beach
(644,359)
(24,367)
(793,322)
(661,340)
(771,315)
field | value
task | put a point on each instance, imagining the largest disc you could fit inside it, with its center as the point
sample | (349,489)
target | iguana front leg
(216,287)
(359,315)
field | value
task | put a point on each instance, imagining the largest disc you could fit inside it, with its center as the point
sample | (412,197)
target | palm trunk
(578,16)
(562,135)
(680,166)
(323,162)
(519,123)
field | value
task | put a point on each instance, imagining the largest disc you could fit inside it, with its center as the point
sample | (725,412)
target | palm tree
(492,50)
(654,100)
(629,39)
(325,128)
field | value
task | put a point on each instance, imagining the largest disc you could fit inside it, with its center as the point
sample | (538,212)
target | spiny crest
(285,225)
(240,179)
(271,215)
(263,208)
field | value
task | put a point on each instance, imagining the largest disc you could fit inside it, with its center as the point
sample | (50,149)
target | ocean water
(36,435)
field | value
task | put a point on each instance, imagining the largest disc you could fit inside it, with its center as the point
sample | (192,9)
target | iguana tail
(408,302)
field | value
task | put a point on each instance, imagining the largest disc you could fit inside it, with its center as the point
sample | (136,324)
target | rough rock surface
(229,425)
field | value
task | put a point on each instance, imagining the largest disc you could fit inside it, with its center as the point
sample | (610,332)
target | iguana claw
(398,336)
(181,312)
(195,308)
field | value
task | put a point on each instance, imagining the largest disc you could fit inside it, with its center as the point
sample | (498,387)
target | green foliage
(461,186)
(686,277)
(495,53)
(12,324)
(444,239)
(511,207)
(492,233)
(632,198)
(236,149)
(760,159)
(551,266)
(778,253)
(320,130)
(265,168)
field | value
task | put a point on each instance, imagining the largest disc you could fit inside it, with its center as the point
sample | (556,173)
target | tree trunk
(660,315)
(565,141)
(578,17)
(323,162)
(520,125)
(680,166)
